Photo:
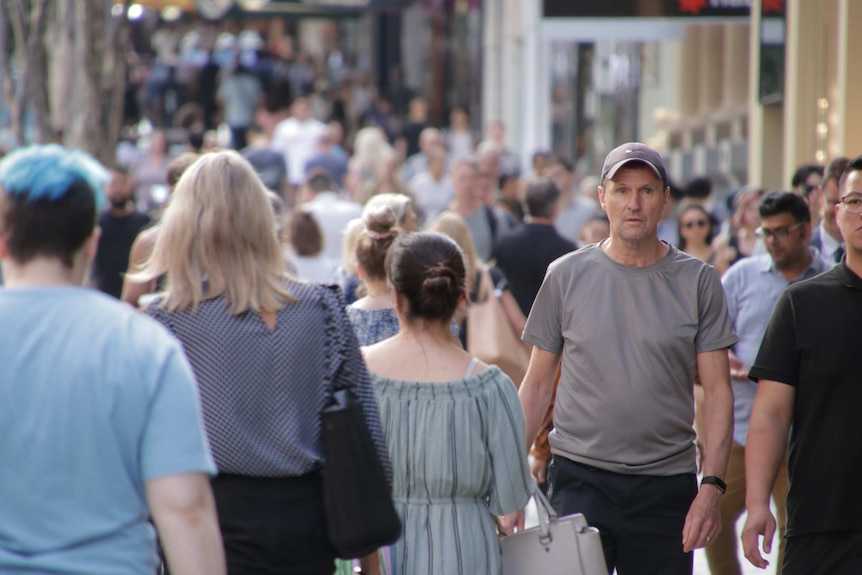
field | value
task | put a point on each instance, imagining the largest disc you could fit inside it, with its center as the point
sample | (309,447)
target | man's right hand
(539,469)
(760,522)
(738,370)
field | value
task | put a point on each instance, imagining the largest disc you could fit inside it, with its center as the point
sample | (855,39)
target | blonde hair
(398,203)
(455,226)
(352,233)
(380,230)
(218,238)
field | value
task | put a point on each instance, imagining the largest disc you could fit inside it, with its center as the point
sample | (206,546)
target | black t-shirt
(410,133)
(524,256)
(115,243)
(810,344)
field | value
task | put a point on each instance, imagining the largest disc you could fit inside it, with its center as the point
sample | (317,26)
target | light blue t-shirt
(752,286)
(95,400)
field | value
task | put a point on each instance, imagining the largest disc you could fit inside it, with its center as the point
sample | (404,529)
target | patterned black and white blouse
(262,390)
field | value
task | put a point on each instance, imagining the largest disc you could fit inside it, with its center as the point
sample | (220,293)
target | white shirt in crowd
(318,269)
(333,213)
(432,196)
(297,140)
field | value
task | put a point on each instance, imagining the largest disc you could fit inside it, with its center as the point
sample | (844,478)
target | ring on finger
(709,539)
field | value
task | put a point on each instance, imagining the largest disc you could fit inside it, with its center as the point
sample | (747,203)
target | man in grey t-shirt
(634,322)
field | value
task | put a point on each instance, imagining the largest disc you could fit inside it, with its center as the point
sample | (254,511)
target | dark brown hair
(304,233)
(56,228)
(178,165)
(427,268)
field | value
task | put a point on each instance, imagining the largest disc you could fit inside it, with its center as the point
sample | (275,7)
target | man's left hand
(703,522)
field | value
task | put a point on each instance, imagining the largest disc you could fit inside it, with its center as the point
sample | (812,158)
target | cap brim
(616,167)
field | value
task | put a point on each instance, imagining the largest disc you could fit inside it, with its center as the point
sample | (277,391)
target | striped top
(457,451)
(262,390)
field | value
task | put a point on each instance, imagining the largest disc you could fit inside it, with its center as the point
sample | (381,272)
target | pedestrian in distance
(633,320)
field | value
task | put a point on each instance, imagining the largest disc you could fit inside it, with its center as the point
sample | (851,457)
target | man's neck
(796,269)
(540,221)
(127,209)
(853,260)
(637,254)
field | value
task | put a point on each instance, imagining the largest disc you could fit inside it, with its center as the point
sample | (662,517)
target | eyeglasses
(698,223)
(852,204)
(777,233)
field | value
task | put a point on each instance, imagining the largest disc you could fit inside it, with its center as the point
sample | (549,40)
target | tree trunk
(18,102)
(87,127)
(5,60)
(38,89)
(116,83)
(62,65)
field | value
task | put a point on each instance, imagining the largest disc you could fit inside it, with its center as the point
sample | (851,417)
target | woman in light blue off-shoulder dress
(454,426)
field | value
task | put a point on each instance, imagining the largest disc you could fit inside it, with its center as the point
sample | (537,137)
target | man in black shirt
(809,385)
(525,253)
(120,224)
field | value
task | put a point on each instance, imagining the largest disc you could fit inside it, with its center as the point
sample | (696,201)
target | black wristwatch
(713,480)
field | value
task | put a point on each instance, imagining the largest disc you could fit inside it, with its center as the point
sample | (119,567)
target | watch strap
(714,480)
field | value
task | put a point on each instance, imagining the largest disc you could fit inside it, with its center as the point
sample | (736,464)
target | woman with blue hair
(99,422)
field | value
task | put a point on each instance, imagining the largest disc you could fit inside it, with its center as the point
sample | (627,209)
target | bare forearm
(184,512)
(192,542)
(765,448)
(718,423)
(535,392)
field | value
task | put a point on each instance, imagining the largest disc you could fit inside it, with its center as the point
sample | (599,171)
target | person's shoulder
(835,277)
(746,266)
(141,219)
(576,258)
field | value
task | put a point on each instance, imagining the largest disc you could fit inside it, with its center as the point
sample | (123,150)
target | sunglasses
(698,223)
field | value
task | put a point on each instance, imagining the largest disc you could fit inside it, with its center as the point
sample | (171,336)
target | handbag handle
(546,513)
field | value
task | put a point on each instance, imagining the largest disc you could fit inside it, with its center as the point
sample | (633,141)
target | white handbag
(558,546)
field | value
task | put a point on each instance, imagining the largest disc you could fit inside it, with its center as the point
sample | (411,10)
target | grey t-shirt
(629,338)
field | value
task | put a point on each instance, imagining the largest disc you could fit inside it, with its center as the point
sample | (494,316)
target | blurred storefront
(596,74)
(740,91)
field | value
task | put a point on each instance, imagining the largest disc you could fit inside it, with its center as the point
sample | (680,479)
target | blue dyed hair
(47,172)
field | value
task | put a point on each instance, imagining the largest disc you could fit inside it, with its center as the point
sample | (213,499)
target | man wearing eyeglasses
(752,287)
(826,236)
(809,385)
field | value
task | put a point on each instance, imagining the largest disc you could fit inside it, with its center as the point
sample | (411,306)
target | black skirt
(273,525)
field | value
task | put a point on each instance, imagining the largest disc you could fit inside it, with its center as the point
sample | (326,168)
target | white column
(849,139)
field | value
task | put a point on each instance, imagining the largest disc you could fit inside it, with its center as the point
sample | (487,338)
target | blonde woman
(384,218)
(260,345)
(454,226)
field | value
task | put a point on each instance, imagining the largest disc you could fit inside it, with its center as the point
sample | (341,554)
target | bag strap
(486,286)
(335,352)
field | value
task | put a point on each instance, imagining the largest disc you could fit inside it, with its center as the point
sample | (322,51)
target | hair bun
(380,221)
(441,281)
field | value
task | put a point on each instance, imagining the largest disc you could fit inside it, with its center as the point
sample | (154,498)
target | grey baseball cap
(633,152)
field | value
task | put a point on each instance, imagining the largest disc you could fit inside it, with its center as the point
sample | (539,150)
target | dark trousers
(832,553)
(273,526)
(640,517)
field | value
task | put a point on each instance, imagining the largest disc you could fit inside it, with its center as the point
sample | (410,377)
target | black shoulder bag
(360,515)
